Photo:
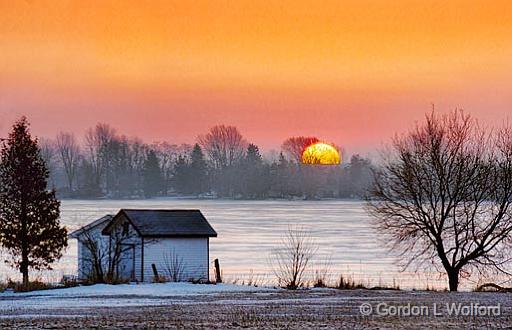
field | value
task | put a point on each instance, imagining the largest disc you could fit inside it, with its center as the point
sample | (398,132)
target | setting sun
(321,154)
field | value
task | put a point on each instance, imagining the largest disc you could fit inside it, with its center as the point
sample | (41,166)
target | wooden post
(155,272)
(142,261)
(218,278)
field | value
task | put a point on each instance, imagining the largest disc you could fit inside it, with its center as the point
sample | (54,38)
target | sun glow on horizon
(321,153)
(170,70)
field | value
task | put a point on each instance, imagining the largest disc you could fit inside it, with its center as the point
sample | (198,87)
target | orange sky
(351,72)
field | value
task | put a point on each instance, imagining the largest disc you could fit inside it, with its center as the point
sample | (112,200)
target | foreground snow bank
(145,289)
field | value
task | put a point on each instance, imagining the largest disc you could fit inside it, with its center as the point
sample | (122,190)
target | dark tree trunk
(24,271)
(453,279)
(24,263)
(24,248)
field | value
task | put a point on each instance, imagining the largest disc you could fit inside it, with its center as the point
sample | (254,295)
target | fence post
(218,278)
(155,272)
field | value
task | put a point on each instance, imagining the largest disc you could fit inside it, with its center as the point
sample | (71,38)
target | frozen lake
(249,230)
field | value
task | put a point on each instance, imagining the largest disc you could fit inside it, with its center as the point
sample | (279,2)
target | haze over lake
(249,230)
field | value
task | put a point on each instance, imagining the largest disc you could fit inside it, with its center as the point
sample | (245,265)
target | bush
(348,284)
(322,274)
(69,281)
(160,279)
(200,281)
(32,286)
(9,284)
(319,283)
(116,280)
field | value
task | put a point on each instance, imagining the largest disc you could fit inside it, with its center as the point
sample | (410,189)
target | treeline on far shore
(221,164)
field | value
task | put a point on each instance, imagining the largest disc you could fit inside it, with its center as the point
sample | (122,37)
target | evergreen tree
(181,175)
(254,174)
(198,171)
(253,157)
(284,175)
(29,214)
(152,175)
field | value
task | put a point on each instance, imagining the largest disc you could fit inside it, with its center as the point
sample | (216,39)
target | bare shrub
(348,283)
(322,272)
(291,259)
(174,266)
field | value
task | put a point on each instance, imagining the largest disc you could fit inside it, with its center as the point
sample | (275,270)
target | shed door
(127,262)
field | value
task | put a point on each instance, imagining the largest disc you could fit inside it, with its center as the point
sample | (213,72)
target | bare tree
(294,146)
(167,155)
(105,256)
(292,258)
(95,258)
(443,196)
(122,241)
(224,145)
(97,142)
(69,154)
(48,153)
(174,266)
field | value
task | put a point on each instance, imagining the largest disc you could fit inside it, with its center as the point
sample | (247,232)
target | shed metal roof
(166,223)
(103,220)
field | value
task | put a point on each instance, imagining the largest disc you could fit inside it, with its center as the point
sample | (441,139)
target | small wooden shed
(136,242)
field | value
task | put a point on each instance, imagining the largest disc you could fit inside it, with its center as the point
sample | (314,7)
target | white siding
(192,251)
(84,255)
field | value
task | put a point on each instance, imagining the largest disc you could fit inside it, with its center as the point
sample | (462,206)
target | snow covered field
(229,306)
(115,295)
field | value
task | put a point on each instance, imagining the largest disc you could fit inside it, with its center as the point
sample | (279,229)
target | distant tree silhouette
(198,171)
(152,175)
(167,155)
(225,149)
(182,175)
(29,214)
(356,178)
(113,166)
(253,155)
(87,184)
(69,154)
(255,174)
(49,155)
(120,172)
(224,145)
(280,178)
(98,143)
(294,146)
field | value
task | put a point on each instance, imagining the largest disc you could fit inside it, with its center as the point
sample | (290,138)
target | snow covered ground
(225,306)
(116,295)
(148,289)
